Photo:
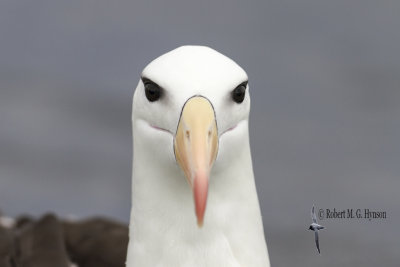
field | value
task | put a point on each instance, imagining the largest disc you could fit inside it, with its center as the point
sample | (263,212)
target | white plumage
(163,229)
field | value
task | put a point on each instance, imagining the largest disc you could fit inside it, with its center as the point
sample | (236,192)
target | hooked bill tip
(200,189)
(200,223)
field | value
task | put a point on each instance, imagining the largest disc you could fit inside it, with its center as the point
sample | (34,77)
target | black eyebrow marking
(243,83)
(147,80)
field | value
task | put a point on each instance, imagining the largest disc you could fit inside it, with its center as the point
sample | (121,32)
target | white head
(185,104)
(192,162)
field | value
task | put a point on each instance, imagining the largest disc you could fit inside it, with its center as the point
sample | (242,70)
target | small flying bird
(315,227)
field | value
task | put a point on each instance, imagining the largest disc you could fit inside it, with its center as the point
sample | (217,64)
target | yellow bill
(196,146)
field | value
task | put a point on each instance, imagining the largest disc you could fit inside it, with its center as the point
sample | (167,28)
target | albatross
(194,200)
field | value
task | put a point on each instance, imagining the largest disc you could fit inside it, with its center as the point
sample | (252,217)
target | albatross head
(185,105)
(192,162)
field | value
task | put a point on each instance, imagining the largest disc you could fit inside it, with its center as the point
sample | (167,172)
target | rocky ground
(50,241)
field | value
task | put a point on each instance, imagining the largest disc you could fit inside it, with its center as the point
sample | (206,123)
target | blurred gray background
(325,120)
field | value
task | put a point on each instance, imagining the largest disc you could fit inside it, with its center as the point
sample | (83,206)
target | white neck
(163,229)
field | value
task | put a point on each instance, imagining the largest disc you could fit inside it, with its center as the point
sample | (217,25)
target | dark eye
(239,93)
(152,90)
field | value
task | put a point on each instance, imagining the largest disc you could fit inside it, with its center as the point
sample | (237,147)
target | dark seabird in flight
(315,227)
